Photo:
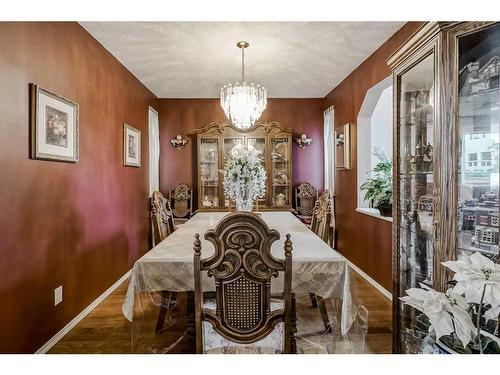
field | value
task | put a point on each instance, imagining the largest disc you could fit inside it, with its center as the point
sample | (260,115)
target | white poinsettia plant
(244,176)
(477,283)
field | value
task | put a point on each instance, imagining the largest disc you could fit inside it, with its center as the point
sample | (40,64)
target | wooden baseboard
(59,335)
(376,285)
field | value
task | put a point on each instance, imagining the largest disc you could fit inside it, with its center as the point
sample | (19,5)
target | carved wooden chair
(322,216)
(162,218)
(305,197)
(321,225)
(181,199)
(332,233)
(162,226)
(243,318)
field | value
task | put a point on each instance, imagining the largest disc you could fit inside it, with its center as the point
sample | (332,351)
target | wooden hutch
(214,144)
(446,160)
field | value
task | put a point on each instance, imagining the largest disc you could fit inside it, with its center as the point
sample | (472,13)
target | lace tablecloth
(317,268)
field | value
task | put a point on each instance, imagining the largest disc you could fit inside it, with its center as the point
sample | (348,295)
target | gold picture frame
(342,147)
(131,146)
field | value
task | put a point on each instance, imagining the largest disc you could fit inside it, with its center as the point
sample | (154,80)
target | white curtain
(154,151)
(329,148)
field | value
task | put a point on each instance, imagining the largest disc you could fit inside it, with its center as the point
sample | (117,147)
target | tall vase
(243,203)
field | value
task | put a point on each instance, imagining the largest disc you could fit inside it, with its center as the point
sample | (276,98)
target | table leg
(167,304)
(324,312)
(314,302)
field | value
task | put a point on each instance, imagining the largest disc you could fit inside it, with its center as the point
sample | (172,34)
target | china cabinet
(446,159)
(215,142)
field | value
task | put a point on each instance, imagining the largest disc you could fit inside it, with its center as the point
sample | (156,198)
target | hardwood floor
(105,329)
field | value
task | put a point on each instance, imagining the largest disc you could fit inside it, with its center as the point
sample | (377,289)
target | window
(473,156)
(328,134)
(154,152)
(486,155)
(374,130)
(487,236)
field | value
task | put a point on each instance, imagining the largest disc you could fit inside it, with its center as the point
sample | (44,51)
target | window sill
(374,213)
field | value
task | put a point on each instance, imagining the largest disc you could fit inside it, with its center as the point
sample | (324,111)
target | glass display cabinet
(209,189)
(446,159)
(215,143)
(280,172)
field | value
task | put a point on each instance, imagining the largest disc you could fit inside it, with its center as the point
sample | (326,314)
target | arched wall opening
(374,129)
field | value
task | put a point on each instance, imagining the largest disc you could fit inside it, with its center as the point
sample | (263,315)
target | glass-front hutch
(215,143)
(446,159)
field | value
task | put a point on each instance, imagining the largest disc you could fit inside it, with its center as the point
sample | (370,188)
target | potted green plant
(378,189)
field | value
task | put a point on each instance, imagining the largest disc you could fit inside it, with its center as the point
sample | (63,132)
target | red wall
(78,225)
(183,116)
(364,240)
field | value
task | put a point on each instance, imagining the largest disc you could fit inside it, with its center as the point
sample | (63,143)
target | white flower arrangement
(478,278)
(446,311)
(244,177)
(477,282)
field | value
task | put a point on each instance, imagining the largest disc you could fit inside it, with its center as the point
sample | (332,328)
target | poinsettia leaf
(490,346)
(455,345)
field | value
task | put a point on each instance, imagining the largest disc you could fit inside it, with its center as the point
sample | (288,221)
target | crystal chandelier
(243,104)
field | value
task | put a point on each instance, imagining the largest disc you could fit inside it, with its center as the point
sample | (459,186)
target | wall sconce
(178,142)
(303,141)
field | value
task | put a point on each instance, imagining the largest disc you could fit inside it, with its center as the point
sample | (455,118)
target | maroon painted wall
(183,116)
(364,240)
(78,225)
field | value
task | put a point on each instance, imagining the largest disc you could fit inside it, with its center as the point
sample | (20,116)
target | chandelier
(242,103)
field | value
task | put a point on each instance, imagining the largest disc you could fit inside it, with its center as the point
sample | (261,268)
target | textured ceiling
(194,59)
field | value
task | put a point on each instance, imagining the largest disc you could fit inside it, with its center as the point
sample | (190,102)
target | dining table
(316,267)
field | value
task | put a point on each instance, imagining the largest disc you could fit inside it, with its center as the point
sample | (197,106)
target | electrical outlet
(58,296)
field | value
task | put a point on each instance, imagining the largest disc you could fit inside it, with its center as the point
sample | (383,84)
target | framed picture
(342,150)
(53,126)
(131,146)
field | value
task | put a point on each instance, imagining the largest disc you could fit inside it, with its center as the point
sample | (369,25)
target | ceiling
(194,59)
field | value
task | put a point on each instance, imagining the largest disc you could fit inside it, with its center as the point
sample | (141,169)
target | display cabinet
(209,184)
(280,172)
(215,142)
(446,159)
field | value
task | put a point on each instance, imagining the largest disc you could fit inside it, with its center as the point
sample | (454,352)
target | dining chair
(305,197)
(244,318)
(332,235)
(162,227)
(322,216)
(321,225)
(181,200)
(161,217)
